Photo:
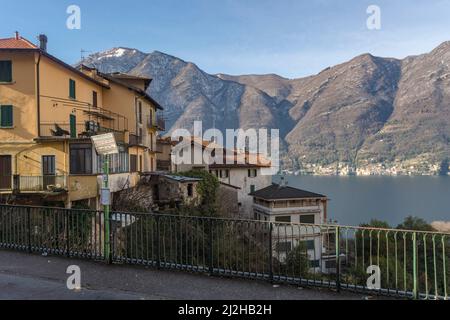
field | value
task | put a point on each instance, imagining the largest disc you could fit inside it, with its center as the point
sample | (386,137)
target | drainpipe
(38,94)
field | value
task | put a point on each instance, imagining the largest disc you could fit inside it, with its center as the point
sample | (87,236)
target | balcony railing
(79,130)
(136,140)
(18,183)
(158,123)
(90,121)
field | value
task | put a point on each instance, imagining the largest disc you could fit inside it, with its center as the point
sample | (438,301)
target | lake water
(355,200)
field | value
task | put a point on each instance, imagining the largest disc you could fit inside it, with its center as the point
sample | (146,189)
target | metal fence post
(338,259)
(271,251)
(158,249)
(110,240)
(29,229)
(67,215)
(211,251)
(414,238)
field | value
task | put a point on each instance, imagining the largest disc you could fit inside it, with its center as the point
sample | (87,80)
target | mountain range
(369,115)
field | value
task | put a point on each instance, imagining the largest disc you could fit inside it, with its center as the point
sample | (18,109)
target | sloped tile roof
(277,192)
(13,43)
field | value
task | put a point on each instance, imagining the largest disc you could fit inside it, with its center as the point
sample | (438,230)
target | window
(151,142)
(73,126)
(72,89)
(140,112)
(224,173)
(48,165)
(307,219)
(118,163)
(5,172)
(252,173)
(94,99)
(283,219)
(141,164)
(252,188)
(190,190)
(309,244)
(6,116)
(80,158)
(314,263)
(284,246)
(133,163)
(5,71)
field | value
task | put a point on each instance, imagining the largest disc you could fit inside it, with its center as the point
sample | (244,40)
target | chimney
(283,183)
(17,36)
(43,42)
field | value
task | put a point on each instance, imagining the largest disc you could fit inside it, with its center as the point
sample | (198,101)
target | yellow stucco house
(48,112)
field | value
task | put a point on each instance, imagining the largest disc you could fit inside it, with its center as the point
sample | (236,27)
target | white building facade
(296,216)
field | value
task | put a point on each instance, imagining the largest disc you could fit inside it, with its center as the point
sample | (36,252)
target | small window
(72,89)
(5,71)
(133,163)
(283,219)
(309,244)
(94,99)
(314,263)
(140,111)
(307,219)
(190,190)
(6,116)
(284,246)
(252,173)
(252,188)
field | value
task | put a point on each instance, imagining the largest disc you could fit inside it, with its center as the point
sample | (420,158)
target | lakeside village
(50,116)
(51,110)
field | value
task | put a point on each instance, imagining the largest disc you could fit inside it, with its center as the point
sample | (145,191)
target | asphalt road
(36,277)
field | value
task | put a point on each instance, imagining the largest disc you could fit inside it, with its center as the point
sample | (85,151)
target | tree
(208,188)
(415,223)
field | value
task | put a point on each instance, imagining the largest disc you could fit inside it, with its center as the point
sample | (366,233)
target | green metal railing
(412,264)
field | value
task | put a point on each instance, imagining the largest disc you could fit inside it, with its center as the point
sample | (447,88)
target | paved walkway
(25,276)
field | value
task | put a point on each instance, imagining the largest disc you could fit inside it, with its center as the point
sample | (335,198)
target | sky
(292,38)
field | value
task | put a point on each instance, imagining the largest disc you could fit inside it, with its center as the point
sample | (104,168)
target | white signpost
(105,144)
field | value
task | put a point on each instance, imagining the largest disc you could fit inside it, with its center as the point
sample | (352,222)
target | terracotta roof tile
(13,43)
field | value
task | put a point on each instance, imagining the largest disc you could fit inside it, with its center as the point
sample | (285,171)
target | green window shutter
(6,116)
(72,89)
(73,126)
(5,71)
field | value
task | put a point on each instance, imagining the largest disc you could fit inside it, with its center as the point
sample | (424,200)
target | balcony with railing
(156,123)
(84,123)
(33,184)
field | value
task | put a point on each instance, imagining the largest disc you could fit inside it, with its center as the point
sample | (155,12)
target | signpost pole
(105,144)
(106,208)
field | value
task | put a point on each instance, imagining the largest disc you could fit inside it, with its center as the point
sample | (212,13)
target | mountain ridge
(364,116)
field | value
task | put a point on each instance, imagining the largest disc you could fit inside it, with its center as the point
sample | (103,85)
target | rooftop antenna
(82,52)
